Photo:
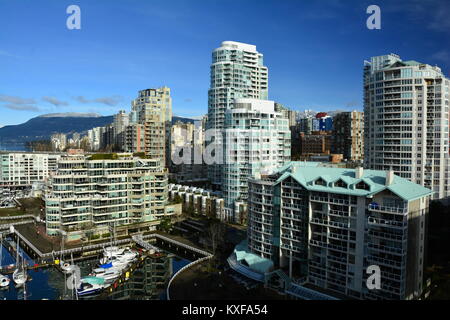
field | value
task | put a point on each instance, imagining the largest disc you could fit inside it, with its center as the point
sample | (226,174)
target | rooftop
(306,173)
(253,261)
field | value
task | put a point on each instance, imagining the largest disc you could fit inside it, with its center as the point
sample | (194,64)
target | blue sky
(314,50)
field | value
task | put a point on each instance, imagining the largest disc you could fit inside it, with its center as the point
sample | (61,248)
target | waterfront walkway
(197,284)
(139,239)
(42,247)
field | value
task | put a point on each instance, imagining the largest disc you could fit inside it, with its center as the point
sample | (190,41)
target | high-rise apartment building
(95,136)
(237,71)
(287,113)
(406,115)
(348,135)
(257,140)
(317,143)
(93,192)
(121,121)
(153,109)
(305,125)
(58,141)
(187,145)
(134,138)
(323,227)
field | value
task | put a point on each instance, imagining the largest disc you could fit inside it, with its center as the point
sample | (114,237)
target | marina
(50,282)
(108,270)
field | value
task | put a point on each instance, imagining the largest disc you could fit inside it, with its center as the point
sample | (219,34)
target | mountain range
(42,127)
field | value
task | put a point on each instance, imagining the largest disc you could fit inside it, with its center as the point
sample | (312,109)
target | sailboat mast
(25,290)
(1,252)
(17,253)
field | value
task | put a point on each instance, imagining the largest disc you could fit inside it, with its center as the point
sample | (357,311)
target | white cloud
(109,101)
(54,101)
(21,107)
(16,100)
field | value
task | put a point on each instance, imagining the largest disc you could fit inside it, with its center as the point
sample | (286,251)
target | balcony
(378,208)
(386,223)
(388,249)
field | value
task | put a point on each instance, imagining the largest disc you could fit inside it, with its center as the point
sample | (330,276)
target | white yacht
(90,286)
(124,255)
(116,262)
(112,251)
(107,274)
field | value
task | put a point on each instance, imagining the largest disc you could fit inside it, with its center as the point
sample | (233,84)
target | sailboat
(65,266)
(4,280)
(20,274)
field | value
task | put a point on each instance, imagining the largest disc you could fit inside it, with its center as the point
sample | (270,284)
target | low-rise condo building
(21,169)
(97,191)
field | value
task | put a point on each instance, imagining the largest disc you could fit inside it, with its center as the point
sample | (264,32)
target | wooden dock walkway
(9,269)
(95,248)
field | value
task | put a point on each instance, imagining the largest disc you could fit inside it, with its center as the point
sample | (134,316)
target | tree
(190,212)
(85,144)
(215,235)
(165,225)
(242,215)
(177,199)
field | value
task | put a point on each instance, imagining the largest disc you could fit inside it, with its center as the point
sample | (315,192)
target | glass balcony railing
(376,207)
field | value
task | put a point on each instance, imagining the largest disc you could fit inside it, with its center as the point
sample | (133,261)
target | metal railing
(374,207)
(184,268)
(18,217)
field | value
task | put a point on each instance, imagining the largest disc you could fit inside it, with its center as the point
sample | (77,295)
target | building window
(320,182)
(340,183)
(362,185)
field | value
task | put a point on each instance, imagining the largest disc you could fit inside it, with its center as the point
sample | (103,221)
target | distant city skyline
(314,51)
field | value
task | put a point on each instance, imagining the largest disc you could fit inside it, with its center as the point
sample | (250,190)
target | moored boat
(107,274)
(90,286)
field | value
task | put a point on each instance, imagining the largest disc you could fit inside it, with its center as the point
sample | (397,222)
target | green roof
(306,173)
(254,262)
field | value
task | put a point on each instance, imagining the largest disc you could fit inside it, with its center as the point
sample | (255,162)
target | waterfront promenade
(44,248)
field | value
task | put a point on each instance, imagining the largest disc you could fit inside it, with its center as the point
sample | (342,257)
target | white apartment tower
(407,121)
(237,71)
(257,141)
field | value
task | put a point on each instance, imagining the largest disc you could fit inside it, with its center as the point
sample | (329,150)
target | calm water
(49,283)
(13,147)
